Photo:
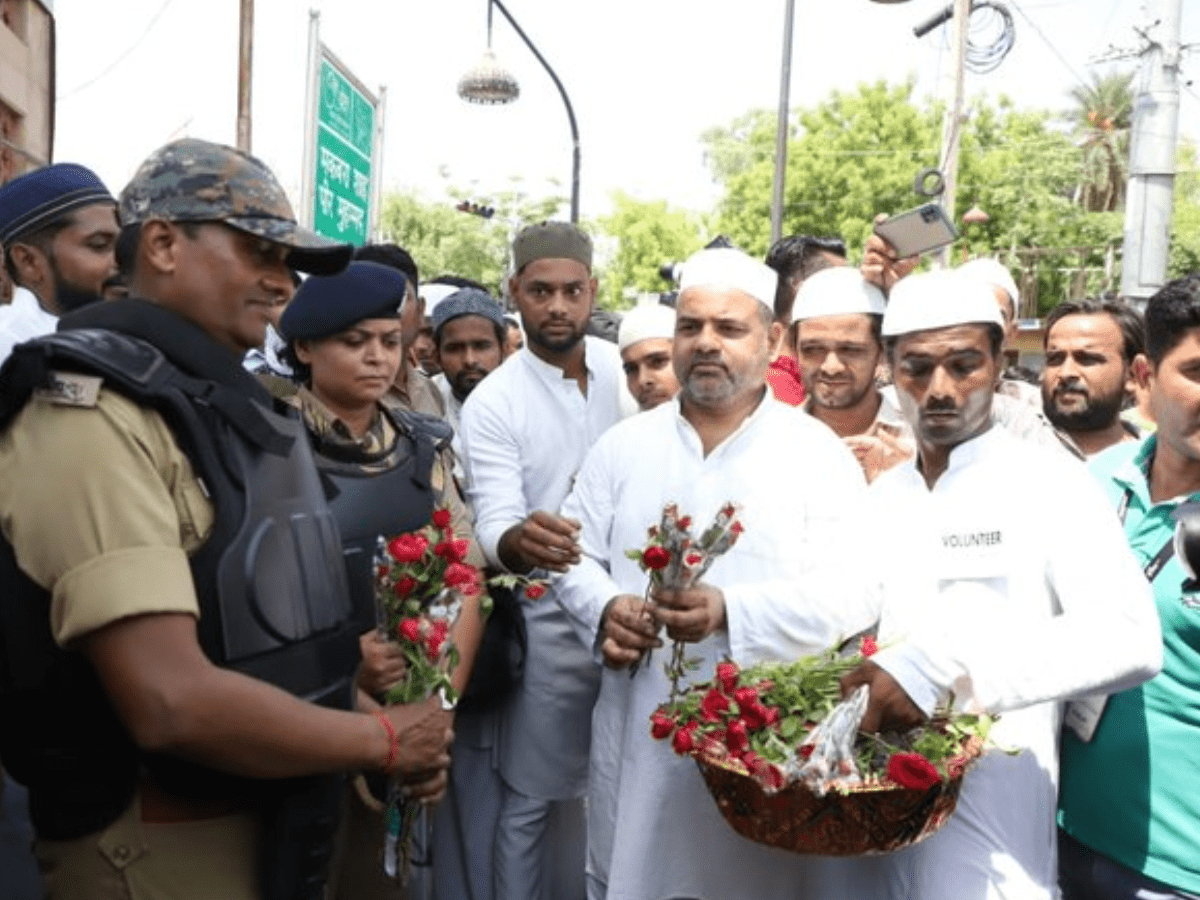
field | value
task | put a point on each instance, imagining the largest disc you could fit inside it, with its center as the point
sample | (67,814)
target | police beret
(37,198)
(328,304)
(467,302)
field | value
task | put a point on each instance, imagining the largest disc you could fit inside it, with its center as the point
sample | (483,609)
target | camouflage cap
(190,180)
(551,240)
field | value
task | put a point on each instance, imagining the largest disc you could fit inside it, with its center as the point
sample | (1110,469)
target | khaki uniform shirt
(102,509)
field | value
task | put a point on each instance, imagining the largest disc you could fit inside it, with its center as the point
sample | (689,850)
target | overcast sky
(646,78)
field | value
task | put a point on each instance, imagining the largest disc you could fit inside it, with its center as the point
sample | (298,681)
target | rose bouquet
(782,755)
(421,581)
(674,558)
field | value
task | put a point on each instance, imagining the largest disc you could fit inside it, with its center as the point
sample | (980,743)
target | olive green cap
(551,240)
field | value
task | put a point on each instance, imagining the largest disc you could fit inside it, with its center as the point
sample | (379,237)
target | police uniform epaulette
(420,425)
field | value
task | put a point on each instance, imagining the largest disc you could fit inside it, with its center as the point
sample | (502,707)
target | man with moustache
(982,605)
(525,431)
(1090,348)
(58,230)
(644,340)
(838,315)
(468,334)
(654,832)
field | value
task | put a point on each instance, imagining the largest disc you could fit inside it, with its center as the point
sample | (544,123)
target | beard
(1097,413)
(559,344)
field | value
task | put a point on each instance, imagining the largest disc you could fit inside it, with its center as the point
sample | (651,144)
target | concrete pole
(781,127)
(245,55)
(953,122)
(1151,186)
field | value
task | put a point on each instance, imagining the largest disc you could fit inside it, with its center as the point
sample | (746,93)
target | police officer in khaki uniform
(176,646)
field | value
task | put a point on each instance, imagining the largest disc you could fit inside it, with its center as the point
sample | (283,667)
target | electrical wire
(120,59)
(1048,42)
(990,37)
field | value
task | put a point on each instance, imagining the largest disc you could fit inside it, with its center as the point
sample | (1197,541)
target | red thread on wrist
(393,740)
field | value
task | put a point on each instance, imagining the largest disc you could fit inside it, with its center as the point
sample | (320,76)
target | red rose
(436,639)
(868,647)
(693,559)
(452,551)
(661,725)
(684,522)
(404,586)
(756,715)
(806,751)
(912,770)
(727,674)
(408,547)
(735,736)
(463,577)
(770,715)
(441,518)
(683,742)
(713,705)
(736,528)
(535,591)
(410,630)
(746,696)
(656,557)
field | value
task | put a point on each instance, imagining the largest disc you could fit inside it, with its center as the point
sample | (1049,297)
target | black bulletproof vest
(369,504)
(273,597)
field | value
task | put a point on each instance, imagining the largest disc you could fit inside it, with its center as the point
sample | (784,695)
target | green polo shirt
(1133,792)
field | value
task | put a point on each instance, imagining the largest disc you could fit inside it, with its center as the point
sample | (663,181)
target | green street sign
(345,144)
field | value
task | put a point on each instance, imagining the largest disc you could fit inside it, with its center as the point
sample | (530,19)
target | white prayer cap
(727,267)
(939,300)
(644,322)
(995,273)
(433,294)
(837,291)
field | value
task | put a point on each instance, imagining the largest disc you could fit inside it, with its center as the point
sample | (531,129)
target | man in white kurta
(1003,580)
(525,431)
(654,831)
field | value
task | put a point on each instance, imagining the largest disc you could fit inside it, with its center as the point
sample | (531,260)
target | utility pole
(1155,127)
(953,122)
(245,54)
(781,125)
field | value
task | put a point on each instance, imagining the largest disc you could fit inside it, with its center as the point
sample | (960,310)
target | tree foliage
(1101,119)
(646,235)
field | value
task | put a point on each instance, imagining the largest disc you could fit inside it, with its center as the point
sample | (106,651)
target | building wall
(26,86)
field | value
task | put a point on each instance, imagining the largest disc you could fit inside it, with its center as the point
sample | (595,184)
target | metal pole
(952,125)
(308,166)
(1151,184)
(781,125)
(245,54)
(377,167)
(566,102)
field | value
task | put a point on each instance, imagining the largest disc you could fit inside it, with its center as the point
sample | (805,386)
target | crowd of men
(1010,544)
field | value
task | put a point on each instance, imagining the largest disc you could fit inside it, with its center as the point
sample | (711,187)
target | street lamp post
(479,86)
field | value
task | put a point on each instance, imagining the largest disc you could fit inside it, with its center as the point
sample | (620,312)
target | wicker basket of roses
(783,758)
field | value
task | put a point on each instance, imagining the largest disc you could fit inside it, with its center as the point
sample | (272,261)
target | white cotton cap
(994,273)
(939,300)
(838,291)
(726,267)
(433,294)
(641,323)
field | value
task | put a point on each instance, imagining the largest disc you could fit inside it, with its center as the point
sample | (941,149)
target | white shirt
(653,830)
(23,320)
(1010,584)
(525,430)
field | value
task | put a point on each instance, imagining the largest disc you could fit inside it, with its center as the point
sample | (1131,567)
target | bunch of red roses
(763,722)
(420,580)
(674,558)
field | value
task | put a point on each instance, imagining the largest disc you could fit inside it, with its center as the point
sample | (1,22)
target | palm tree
(1101,118)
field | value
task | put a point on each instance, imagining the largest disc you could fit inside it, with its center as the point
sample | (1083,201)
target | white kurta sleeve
(492,459)
(585,589)
(824,600)
(1103,636)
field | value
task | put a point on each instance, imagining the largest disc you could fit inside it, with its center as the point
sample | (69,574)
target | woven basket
(871,819)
